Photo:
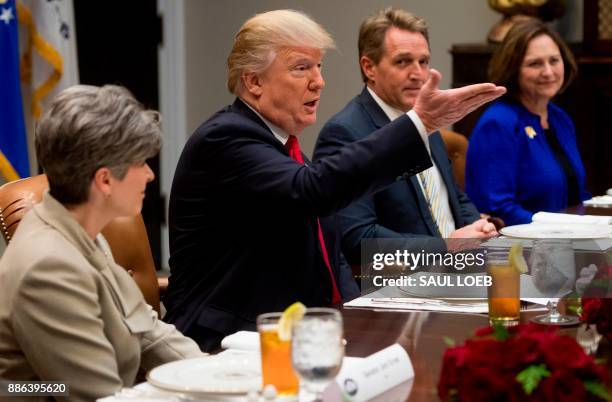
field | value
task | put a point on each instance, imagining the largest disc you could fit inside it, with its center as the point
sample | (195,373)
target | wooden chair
(127,236)
(456,146)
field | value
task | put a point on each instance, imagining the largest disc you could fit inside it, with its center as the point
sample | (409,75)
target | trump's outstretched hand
(440,108)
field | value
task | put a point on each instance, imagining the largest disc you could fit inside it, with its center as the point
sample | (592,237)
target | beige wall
(210,26)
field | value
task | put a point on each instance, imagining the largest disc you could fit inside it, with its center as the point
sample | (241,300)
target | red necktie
(293,147)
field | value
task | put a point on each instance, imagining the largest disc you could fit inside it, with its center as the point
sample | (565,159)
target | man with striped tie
(424,208)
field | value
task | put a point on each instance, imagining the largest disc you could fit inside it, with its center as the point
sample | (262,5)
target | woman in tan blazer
(68,312)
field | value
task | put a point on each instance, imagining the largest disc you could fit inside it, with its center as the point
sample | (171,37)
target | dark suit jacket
(399,211)
(243,231)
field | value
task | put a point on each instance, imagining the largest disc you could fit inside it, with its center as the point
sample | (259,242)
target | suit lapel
(56,215)
(240,108)
(376,114)
(380,119)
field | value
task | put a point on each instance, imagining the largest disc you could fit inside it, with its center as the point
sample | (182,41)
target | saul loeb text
(478,280)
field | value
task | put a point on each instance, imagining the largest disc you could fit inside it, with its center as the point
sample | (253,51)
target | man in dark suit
(246,229)
(422,209)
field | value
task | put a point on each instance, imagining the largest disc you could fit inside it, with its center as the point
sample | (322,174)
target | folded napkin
(241,340)
(549,217)
(599,201)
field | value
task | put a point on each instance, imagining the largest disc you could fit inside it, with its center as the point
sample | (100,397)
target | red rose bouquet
(522,363)
(597,302)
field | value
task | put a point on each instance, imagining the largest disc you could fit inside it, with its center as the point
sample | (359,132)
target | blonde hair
(261,36)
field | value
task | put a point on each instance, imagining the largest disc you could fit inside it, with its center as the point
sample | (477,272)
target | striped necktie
(293,147)
(432,195)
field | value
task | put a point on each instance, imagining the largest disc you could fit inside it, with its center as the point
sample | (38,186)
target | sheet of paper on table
(395,299)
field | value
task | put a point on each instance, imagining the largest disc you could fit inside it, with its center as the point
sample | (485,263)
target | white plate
(221,374)
(557,231)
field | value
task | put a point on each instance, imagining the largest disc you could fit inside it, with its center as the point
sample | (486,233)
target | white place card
(375,374)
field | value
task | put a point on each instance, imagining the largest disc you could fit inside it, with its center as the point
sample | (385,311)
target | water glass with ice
(317,349)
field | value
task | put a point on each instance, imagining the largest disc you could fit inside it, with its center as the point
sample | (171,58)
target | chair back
(126,236)
(456,146)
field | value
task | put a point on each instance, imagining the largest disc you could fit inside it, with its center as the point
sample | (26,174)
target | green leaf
(573,304)
(500,332)
(598,389)
(450,342)
(531,377)
(601,360)
(575,310)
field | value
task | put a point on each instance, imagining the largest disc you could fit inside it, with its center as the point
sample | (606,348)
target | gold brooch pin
(530,132)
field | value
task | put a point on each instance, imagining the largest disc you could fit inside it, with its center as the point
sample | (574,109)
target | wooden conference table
(421,334)
(584,210)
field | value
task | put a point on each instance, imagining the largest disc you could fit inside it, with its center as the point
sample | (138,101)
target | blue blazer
(511,170)
(243,219)
(400,210)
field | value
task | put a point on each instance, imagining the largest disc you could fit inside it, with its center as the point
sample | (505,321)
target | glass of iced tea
(276,368)
(504,292)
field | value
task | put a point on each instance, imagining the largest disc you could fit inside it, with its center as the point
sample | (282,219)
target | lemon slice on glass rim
(293,313)
(516,259)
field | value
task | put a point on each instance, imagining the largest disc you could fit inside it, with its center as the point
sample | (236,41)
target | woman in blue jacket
(523,156)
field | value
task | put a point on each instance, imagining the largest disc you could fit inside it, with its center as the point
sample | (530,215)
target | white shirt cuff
(420,127)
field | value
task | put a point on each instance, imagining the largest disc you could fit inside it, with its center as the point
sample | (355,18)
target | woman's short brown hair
(505,65)
(88,127)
